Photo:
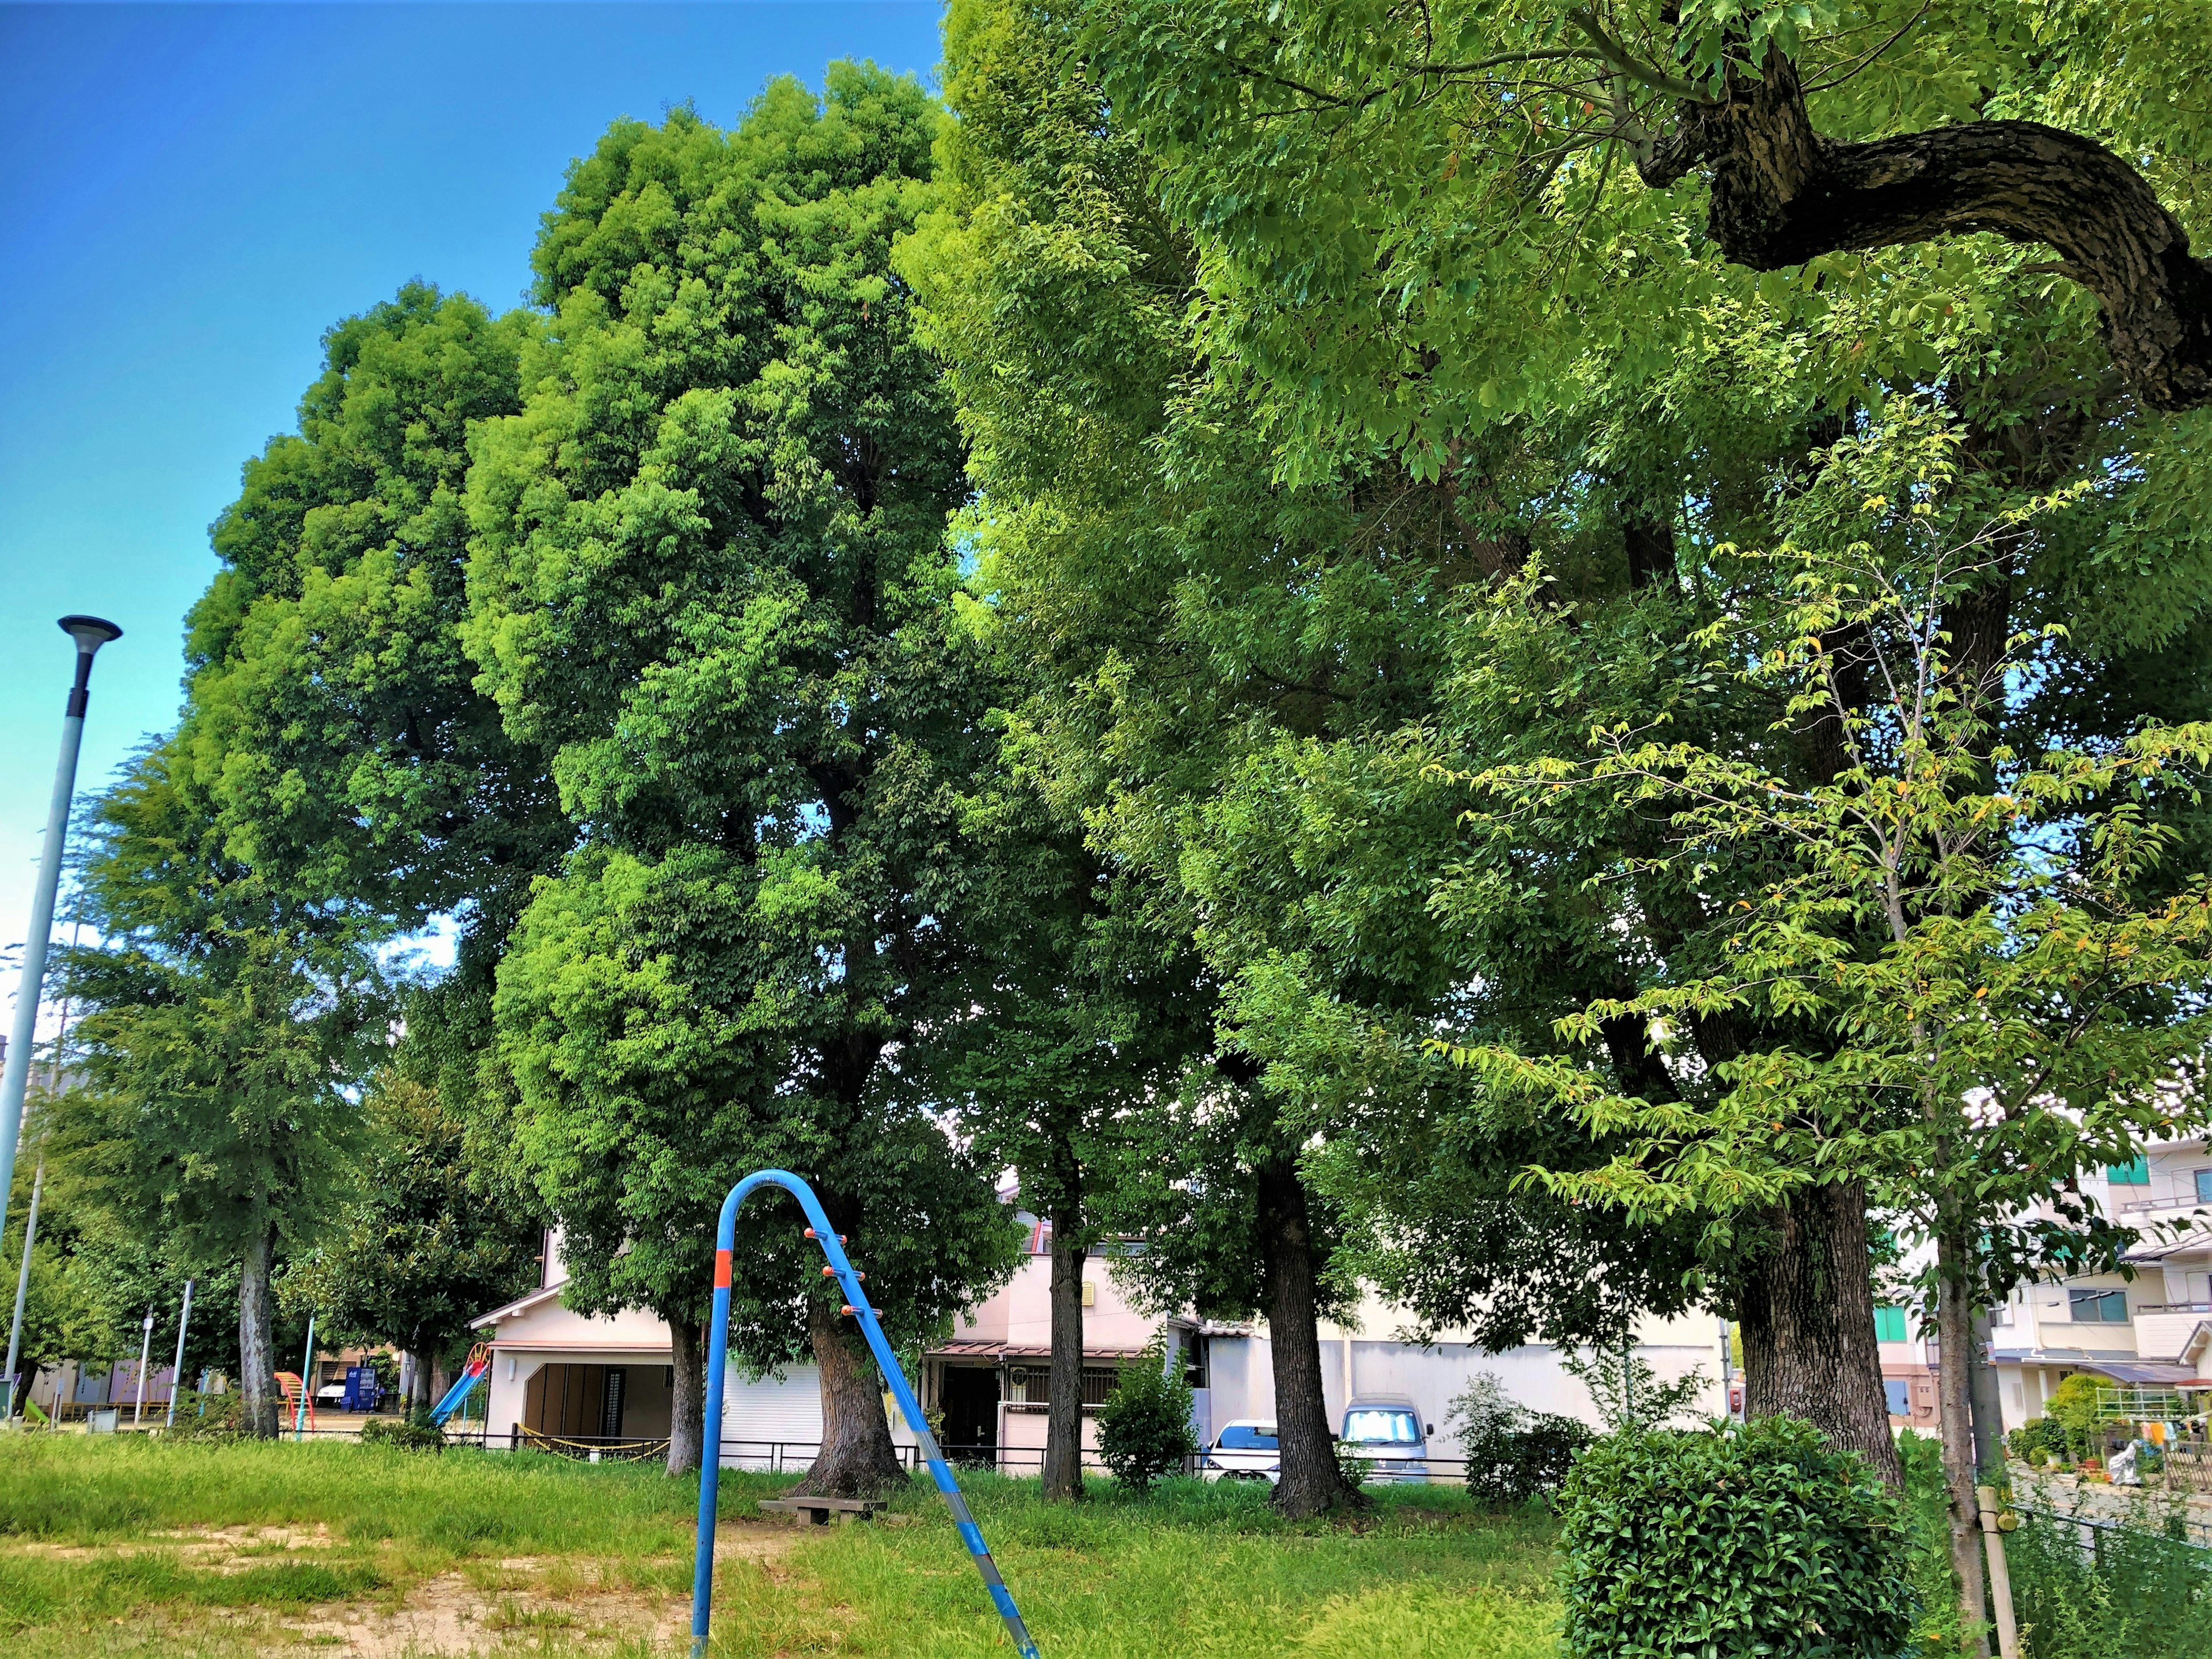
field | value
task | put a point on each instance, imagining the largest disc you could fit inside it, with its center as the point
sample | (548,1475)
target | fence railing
(2095,1529)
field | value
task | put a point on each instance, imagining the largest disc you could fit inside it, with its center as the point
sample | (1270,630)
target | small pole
(145,1353)
(1985,1498)
(307,1381)
(177,1370)
(22,1289)
(1727,1375)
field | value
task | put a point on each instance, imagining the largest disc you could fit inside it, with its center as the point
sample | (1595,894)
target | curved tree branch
(1783,194)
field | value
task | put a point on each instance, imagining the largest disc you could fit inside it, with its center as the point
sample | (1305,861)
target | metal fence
(2180,1528)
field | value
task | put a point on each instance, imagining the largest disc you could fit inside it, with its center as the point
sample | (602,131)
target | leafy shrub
(1512,1452)
(1760,1540)
(416,1434)
(1143,1427)
(2039,1439)
(207,1417)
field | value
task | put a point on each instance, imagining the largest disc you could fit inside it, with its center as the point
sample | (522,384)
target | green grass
(105,1548)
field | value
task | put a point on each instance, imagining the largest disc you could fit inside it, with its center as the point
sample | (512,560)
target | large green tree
(710,583)
(222,1019)
(1222,662)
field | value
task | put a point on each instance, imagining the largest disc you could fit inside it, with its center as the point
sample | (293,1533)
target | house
(560,1376)
(2152,1331)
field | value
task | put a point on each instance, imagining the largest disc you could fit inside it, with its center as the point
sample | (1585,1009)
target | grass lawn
(123,1546)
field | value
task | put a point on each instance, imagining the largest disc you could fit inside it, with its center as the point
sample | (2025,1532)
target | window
(2204,1186)
(2137,1173)
(1901,1395)
(1248,1437)
(1370,1425)
(1889,1325)
(2098,1307)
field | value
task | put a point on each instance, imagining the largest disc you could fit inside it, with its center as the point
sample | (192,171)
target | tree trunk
(1310,1483)
(1806,1315)
(420,1399)
(687,1403)
(1063,1434)
(1954,1330)
(857,1459)
(257,1352)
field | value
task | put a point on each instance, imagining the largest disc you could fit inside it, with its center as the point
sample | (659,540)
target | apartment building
(2153,1330)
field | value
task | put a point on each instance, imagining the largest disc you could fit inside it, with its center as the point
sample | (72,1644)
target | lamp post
(145,1354)
(177,1370)
(90,633)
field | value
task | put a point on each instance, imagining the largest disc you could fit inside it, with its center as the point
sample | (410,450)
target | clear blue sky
(192,194)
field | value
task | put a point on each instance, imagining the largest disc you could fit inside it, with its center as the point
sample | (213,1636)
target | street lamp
(90,633)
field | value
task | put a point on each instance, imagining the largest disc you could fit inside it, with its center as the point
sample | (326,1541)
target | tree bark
(857,1459)
(1806,1314)
(256,1351)
(1954,1330)
(1783,194)
(687,1404)
(1310,1483)
(1063,1434)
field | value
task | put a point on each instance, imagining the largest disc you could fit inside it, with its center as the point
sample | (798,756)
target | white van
(1385,1433)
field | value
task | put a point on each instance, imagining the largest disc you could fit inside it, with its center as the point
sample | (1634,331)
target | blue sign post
(718,1351)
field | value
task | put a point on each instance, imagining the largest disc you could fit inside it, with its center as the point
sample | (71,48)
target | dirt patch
(536,1600)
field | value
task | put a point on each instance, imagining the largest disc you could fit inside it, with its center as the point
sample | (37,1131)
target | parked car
(1245,1449)
(330,1395)
(1385,1433)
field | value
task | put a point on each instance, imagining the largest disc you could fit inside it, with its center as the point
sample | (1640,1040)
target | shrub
(1512,1452)
(2039,1439)
(417,1434)
(1143,1427)
(207,1417)
(1760,1540)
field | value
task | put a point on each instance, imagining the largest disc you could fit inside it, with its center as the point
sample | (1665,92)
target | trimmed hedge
(1714,1543)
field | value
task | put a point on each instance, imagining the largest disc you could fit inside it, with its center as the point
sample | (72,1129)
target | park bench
(817,1511)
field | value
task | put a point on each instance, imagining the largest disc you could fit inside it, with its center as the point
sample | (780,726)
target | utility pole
(177,1370)
(89,633)
(22,1291)
(307,1381)
(145,1353)
(30,1221)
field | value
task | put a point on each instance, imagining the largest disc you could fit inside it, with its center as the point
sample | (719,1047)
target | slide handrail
(718,1350)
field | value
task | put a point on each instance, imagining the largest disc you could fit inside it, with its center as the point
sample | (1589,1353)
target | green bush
(2137,1592)
(1763,1540)
(207,1417)
(1512,1452)
(1143,1427)
(418,1435)
(1511,1466)
(2039,1439)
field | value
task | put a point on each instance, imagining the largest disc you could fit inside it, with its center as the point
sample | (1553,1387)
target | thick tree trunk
(687,1404)
(1954,1331)
(857,1459)
(1310,1483)
(256,1351)
(1806,1314)
(1783,194)
(1063,1434)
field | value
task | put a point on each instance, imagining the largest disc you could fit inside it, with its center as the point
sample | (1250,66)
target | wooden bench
(817,1511)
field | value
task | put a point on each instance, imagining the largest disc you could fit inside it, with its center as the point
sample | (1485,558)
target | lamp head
(90,633)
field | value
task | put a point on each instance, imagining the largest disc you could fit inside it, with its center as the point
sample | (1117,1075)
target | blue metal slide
(717,1348)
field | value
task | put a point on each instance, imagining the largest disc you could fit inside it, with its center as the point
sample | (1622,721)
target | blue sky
(193,193)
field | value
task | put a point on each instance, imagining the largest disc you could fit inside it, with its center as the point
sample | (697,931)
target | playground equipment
(856,1306)
(475,1372)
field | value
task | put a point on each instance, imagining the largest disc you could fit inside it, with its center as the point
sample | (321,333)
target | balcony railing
(2184,1200)
(2173,1307)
